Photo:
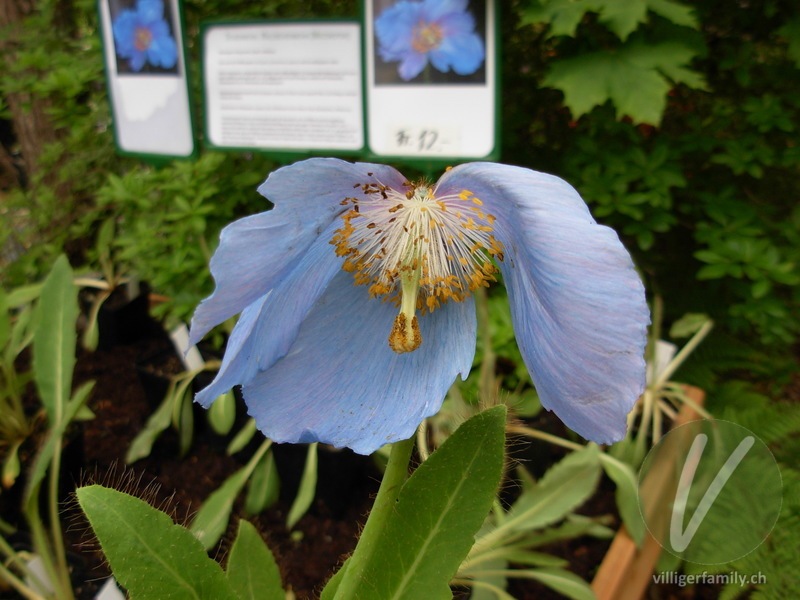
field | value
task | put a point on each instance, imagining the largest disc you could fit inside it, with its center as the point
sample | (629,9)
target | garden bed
(327,533)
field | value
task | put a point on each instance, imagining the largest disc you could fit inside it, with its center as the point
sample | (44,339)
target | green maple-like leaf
(636,79)
(679,14)
(621,16)
(563,16)
(791,31)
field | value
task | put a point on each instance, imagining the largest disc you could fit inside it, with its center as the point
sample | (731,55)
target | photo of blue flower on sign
(143,37)
(429,41)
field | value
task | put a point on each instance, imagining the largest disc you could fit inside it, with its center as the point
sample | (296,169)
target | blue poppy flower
(439,31)
(142,36)
(353,255)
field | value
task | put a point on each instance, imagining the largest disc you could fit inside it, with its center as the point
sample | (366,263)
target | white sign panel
(147,76)
(293,86)
(431,77)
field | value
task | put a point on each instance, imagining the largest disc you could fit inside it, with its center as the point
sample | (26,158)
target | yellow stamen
(416,249)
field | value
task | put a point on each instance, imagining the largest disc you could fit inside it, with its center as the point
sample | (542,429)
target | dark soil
(319,543)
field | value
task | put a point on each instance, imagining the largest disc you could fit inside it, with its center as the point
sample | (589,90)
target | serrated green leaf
(563,16)
(252,571)
(307,489)
(636,79)
(434,519)
(623,16)
(152,557)
(791,31)
(54,339)
(673,11)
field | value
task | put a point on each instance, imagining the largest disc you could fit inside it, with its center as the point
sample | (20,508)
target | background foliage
(677,123)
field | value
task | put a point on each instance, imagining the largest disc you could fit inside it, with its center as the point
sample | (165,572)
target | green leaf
(791,31)
(562,581)
(688,325)
(24,295)
(307,489)
(679,14)
(436,515)
(152,557)
(252,571)
(185,421)
(623,16)
(636,78)
(264,487)
(494,577)
(5,320)
(54,438)
(212,519)
(537,559)
(11,464)
(563,16)
(54,339)
(241,439)
(627,495)
(158,421)
(222,413)
(564,487)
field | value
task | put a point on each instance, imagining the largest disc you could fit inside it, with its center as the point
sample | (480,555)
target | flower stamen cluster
(426,37)
(417,249)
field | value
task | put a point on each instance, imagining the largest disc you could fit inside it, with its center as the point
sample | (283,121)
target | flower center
(142,38)
(417,249)
(426,37)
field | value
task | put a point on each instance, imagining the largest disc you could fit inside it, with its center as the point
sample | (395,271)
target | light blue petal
(150,10)
(341,384)
(163,52)
(267,327)
(434,10)
(124,28)
(412,65)
(394,29)
(577,303)
(457,23)
(464,53)
(138,58)
(256,252)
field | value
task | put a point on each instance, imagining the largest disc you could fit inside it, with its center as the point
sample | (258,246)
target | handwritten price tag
(423,140)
